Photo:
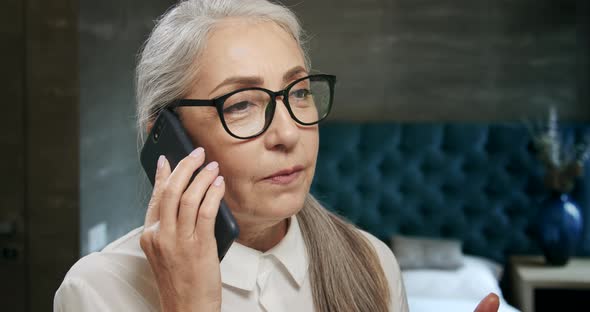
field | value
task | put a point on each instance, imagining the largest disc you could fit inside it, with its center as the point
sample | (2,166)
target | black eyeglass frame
(219,101)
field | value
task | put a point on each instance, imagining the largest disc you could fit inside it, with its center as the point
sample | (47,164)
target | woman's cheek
(238,193)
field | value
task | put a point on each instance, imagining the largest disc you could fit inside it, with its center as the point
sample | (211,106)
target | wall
(12,164)
(482,60)
(112,185)
(39,160)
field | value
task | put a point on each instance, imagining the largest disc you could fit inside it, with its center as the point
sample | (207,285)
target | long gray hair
(344,270)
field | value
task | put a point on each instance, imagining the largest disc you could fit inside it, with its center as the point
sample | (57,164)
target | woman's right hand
(178,237)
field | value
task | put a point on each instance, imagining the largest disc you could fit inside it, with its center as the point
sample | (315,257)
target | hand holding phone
(167,137)
(178,237)
(187,229)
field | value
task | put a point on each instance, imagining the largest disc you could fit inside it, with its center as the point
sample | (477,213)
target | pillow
(421,253)
(474,280)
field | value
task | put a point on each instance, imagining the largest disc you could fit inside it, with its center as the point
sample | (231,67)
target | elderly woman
(292,254)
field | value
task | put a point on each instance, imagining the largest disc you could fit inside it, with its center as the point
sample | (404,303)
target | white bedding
(454,290)
(425,304)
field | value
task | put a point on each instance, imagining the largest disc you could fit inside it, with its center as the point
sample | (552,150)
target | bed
(478,185)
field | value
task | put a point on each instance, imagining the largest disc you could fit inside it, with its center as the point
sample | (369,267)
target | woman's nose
(283,132)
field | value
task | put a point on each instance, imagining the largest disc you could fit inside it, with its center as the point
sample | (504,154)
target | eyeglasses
(247,113)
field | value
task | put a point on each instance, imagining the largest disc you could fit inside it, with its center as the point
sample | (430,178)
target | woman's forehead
(245,48)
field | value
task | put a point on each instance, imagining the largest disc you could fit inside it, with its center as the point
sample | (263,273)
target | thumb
(491,303)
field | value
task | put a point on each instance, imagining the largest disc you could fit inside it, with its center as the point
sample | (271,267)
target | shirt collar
(240,265)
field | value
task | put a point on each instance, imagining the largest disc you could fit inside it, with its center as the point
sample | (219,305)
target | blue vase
(560,228)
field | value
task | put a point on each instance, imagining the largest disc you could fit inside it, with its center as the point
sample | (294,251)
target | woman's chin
(274,206)
(282,206)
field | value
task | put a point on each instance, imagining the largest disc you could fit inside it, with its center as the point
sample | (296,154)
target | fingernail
(197,152)
(161,160)
(218,181)
(212,165)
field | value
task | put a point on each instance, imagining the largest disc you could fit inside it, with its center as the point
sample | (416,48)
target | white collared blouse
(119,278)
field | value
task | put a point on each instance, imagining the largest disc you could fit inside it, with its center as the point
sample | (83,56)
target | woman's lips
(286,176)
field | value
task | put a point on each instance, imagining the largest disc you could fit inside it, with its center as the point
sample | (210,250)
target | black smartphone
(168,137)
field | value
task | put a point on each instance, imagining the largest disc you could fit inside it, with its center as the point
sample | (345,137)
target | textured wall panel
(52,146)
(12,186)
(452,60)
(112,184)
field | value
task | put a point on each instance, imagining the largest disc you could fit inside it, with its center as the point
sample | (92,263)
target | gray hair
(166,66)
(344,270)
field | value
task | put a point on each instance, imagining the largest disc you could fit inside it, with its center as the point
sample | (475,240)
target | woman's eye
(300,94)
(237,107)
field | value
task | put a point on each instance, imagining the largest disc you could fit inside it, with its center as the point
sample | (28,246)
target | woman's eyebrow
(242,80)
(291,73)
(258,81)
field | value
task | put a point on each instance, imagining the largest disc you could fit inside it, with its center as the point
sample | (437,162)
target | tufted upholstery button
(489,190)
(446,231)
(392,164)
(448,189)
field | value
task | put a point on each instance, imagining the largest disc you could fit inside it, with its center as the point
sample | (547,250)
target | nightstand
(540,287)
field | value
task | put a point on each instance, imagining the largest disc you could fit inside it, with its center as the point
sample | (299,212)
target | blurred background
(72,181)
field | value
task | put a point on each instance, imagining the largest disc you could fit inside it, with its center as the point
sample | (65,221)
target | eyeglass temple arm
(191,102)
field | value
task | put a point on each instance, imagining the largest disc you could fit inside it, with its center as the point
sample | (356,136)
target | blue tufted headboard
(478,183)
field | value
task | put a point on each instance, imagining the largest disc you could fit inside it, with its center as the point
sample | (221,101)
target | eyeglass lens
(248,112)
